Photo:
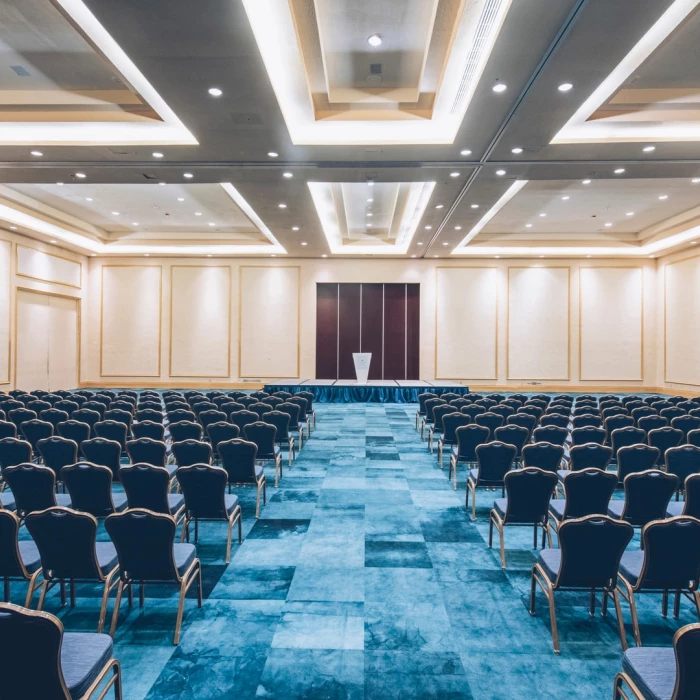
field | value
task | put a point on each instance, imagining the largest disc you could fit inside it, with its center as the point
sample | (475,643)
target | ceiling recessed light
(458,228)
(436,256)
(420,242)
(368,225)
(215,92)
(663,196)
(619,171)
(651,256)
(439,206)
(541,256)
(146,255)
(134,223)
(81,176)
(542,215)
(565,198)
(88,199)
(649,149)
(369,199)
(629,213)
(187,176)
(52,240)
(496,256)
(115,213)
(428,228)
(585,182)
(180,199)
(608,224)
(162,184)
(455,174)
(211,223)
(157,154)
(499,87)
(475,206)
(93,255)
(13,228)
(445,243)
(282,205)
(295,228)
(273,255)
(500,173)
(60,184)
(413,256)
(198,213)
(695,180)
(565,87)
(273,154)
(370,183)
(287,175)
(465,152)
(588,256)
(324,256)
(36,153)
(528,225)
(374,40)
(693,242)
(303,243)
(516,150)
(208,255)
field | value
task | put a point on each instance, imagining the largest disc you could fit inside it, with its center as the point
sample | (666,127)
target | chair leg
(664,604)
(501,539)
(257,502)
(240,527)
(633,612)
(105,598)
(442,466)
(185,526)
(553,618)
(620,621)
(115,614)
(180,609)
(30,590)
(42,596)
(63,592)
(7,590)
(676,605)
(199,585)
(591,607)
(142,594)
(696,600)
(228,541)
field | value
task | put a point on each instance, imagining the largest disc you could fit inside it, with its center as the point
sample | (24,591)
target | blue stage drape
(365,394)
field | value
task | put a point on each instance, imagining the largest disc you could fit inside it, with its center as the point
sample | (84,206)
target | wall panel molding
(5,311)
(31,263)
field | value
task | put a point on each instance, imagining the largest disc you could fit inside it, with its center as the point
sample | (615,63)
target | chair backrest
(671,554)
(146,486)
(204,488)
(35,430)
(299,401)
(439,412)
(222,431)
(494,461)
(623,437)
(430,404)
(144,542)
(550,433)
(533,410)
(38,406)
(259,395)
(53,416)
(180,414)
(649,423)
(206,418)
(96,406)
(245,417)
(422,398)
(489,420)
(90,488)
(450,423)
(504,411)
(543,455)
(57,452)
(588,492)
(67,405)
(282,394)
(20,415)
(529,491)
(189,452)
(238,459)
(7,429)
(121,405)
(611,411)
(591,549)
(14,451)
(185,430)
(103,451)
(586,420)
(686,645)
(66,540)
(33,487)
(280,420)
(554,420)
(472,410)
(146,451)
(647,495)
(590,455)
(468,438)
(88,416)
(524,420)
(615,423)
(663,439)
(112,430)
(683,461)
(514,435)
(263,435)
(41,633)
(635,458)
(685,424)
(148,429)
(148,414)
(11,564)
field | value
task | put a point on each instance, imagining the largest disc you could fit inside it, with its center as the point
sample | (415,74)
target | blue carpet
(365,578)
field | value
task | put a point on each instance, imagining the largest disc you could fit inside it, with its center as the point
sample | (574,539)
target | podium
(362,360)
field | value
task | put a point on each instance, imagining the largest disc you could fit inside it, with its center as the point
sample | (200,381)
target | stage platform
(376,391)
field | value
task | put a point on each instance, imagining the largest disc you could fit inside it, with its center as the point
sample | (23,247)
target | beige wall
(481,321)
(60,277)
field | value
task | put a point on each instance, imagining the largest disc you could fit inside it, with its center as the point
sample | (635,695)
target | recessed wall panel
(326,330)
(269,322)
(467,323)
(5,282)
(32,341)
(131,321)
(200,321)
(611,323)
(48,267)
(682,322)
(538,323)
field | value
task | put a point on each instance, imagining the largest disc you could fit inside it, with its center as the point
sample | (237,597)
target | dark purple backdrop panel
(372,326)
(413,331)
(394,331)
(349,337)
(326,331)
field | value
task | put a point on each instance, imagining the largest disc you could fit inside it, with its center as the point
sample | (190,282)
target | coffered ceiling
(264,127)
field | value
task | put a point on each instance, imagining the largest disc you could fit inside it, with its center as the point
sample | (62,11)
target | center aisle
(365,578)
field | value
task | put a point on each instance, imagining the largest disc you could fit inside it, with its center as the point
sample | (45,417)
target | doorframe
(78,321)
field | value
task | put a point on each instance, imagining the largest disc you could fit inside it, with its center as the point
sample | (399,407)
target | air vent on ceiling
(21,71)
(247,119)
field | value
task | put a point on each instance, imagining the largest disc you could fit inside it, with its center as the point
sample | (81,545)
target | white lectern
(362,360)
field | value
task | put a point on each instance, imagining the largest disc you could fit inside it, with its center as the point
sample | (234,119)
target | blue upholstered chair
(19,559)
(427,419)
(70,553)
(74,430)
(295,421)
(624,437)
(586,420)
(647,495)
(64,666)
(304,415)
(102,451)
(469,437)
(437,429)
(683,461)
(185,430)
(543,455)
(310,413)
(243,418)
(148,429)
(55,416)
(662,673)
(634,459)
(148,451)
(553,434)
(528,492)
(494,460)
(586,435)
(148,414)
(238,459)
(281,421)
(514,435)
(19,416)
(524,420)
(7,429)
(33,488)
(691,505)
(204,490)
(90,489)
(220,432)
(451,422)
(588,558)
(664,439)
(113,430)
(57,452)
(263,435)
(685,424)
(147,486)
(180,414)
(145,543)
(188,452)
(12,452)
(206,418)
(67,405)
(35,430)
(668,562)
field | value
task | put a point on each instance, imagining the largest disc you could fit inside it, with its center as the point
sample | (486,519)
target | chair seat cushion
(7,500)
(455,450)
(63,499)
(561,473)
(172,468)
(615,508)
(474,474)
(231,501)
(184,556)
(652,670)
(550,561)
(500,505)
(106,556)
(675,508)
(120,502)
(83,656)
(631,565)
(556,507)
(175,502)
(29,554)
(259,471)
